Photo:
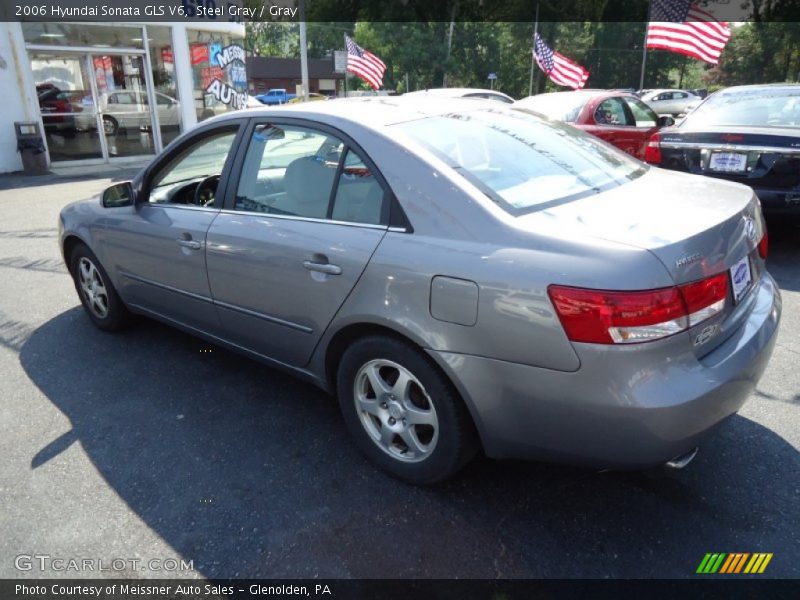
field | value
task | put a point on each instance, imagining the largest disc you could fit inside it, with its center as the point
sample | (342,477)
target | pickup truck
(275,96)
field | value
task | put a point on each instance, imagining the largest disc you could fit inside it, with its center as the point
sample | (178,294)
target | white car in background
(671,102)
(464,93)
(128,109)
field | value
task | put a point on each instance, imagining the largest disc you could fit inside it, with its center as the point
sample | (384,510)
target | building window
(218,71)
(162,60)
(80,34)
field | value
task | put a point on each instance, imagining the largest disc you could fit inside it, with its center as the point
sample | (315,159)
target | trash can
(30,145)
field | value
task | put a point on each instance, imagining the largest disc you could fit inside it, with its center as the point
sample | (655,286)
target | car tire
(96,292)
(416,428)
(110,125)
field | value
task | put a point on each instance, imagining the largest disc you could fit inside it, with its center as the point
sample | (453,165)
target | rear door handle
(193,244)
(322,267)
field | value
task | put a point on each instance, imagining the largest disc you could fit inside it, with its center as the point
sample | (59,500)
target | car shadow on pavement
(784,250)
(249,472)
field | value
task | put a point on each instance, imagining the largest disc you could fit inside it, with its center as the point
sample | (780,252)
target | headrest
(309,181)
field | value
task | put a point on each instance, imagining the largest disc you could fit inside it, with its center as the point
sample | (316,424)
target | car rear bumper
(626,407)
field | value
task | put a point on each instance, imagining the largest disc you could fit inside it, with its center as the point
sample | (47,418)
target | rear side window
(303,172)
(643,115)
(521,161)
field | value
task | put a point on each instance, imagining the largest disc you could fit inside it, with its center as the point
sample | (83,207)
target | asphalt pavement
(151,444)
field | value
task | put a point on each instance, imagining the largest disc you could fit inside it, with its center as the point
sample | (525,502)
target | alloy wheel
(395,410)
(94,290)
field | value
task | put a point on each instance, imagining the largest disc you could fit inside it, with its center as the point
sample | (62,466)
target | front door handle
(322,267)
(193,244)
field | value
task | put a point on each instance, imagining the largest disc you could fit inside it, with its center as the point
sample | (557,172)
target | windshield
(522,161)
(561,107)
(749,108)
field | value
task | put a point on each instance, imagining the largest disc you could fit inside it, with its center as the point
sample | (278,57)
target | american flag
(683,27)
(559,69)
(364,64)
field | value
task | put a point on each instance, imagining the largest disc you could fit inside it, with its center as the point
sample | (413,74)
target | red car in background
(619,118)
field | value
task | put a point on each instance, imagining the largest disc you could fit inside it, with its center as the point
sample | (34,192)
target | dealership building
(90,87)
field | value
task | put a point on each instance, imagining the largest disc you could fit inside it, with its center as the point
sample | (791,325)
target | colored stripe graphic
(724,563)
(758,563)
(711,562)
(734,563)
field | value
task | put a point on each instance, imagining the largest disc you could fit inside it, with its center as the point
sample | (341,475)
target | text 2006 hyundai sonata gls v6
(462,276)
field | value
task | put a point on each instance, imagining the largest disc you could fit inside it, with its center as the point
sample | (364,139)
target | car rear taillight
(763,246)
(652,152)
(610,317)
(705,298)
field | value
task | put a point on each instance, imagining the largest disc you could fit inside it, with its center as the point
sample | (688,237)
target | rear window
(521,161)
(751,108)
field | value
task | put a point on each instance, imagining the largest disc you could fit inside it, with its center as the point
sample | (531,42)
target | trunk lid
(696,227)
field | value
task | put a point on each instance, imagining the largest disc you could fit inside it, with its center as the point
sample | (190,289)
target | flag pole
(533,49)
(345,66)
(644,47)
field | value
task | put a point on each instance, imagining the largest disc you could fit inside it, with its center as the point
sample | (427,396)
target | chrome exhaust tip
(681,461)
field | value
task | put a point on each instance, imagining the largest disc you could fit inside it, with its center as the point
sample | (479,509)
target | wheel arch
(351,332)
(68,245)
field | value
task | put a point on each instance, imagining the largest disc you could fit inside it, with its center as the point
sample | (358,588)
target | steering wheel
(206,190)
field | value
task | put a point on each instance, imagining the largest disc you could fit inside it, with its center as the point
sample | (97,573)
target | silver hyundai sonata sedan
(462,275)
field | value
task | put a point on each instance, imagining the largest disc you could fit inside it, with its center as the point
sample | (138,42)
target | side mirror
(666,121)
(119,194)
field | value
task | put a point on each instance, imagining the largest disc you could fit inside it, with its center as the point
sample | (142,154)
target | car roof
(661,90)
(760,86)
(456,92)
(590,93)
(373,111)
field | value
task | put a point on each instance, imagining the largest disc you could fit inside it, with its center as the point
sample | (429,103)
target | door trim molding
(218,303)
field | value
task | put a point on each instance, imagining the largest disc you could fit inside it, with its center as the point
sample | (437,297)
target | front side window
(302,172)
(192,176)
(521,161)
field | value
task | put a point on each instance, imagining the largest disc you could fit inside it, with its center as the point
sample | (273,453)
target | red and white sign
(199,53)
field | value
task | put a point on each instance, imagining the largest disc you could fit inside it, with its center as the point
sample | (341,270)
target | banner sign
(339,61)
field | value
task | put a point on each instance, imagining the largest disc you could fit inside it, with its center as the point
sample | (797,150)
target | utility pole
(303,49)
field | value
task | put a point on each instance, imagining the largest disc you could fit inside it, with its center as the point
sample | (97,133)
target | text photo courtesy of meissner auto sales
(395,299)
